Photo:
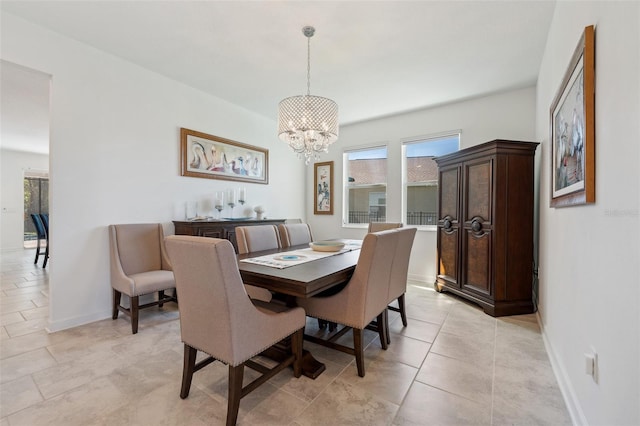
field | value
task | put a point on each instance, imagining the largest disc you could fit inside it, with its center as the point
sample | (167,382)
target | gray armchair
(217,317)
(257,238)
(362,300)
(139,266)
(293,234)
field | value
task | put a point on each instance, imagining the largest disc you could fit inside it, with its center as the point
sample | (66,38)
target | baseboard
(77,321)
(568,394)
(421,279)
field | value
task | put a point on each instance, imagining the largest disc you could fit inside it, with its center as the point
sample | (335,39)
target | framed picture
(213,157)
(573,129)
(323,182)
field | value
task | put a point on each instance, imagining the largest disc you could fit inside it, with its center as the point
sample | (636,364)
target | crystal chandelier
(309,124)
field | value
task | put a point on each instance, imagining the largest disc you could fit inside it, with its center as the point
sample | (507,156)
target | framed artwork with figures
(573,129)
(212,157)
(323,193)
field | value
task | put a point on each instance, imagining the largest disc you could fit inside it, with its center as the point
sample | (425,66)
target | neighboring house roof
(372,171)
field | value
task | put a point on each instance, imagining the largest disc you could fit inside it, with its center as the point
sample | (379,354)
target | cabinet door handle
(476,226)
(447,224)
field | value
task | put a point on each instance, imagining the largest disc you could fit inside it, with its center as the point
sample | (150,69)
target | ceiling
(374,58)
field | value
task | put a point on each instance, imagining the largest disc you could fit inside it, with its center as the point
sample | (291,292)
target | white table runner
(296,257)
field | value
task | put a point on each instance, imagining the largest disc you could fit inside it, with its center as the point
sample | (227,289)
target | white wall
(508,115)
(589,256)
(114,158)
(12,168)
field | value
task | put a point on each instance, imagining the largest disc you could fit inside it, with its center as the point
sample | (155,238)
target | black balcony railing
(422,218)
(413,218)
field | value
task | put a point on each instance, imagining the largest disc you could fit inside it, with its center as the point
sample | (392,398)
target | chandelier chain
(308,66)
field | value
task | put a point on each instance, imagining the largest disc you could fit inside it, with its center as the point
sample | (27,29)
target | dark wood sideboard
(485,225)
(225,229)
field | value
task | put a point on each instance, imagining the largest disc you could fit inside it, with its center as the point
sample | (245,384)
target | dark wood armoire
(485,225)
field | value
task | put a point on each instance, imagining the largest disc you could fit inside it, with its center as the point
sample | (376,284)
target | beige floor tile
(26,327)
(66,376)
(12,318)
(9,307)
(420,330)
(3,333)
(471,349)
(457,377)
(90,404)
(401,349)
(426,405)
(18,394)
(39,312)
(343,404)
(388,380)
(24,364)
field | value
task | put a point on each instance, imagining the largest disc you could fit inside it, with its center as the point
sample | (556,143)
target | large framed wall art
(213,157)
(573,129)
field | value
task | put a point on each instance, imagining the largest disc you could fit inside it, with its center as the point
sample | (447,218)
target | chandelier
(309,124)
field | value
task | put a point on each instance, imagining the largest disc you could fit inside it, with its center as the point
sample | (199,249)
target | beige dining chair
(399,272)
(293,234)
(139,266)
(257,238)
(217,318)
(362,300)
(383,226)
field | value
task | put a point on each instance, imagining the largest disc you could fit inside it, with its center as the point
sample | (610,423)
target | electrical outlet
(591,364)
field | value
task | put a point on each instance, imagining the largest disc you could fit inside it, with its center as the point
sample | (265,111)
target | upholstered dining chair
(399,272)
(383,226)
(41,234)
(139,266)
(257,238)
(45,222)
(293,234)
(362,300)
(217,317)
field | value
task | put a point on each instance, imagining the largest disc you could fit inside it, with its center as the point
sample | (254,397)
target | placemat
(296,257)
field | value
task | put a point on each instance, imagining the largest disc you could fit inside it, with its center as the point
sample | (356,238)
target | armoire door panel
(449,198)
(448,259)
(477,258)
(479,190)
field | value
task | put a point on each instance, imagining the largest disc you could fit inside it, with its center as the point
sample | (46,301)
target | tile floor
(453,365)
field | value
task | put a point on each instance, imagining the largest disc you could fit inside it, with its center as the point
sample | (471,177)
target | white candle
(243,194)
(232,196)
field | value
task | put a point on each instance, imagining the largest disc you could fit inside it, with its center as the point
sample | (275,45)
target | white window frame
(405,184)
(345,181)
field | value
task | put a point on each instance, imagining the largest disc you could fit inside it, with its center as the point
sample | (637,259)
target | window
(365,185)
(421,177)
(36,200)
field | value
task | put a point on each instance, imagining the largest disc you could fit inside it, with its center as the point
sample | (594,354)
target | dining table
(284,273)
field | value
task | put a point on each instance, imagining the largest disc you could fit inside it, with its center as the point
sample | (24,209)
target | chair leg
(235,393)
(403,312)
(386,326)
(296,349)
(322,324)
(37,252)
(187,370)
(134,314)
(160,298)
(382,330)
(116,303)
(46,256)
(357,346)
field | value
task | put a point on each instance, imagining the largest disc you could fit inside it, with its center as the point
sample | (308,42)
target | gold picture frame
(212,157)
(323,188)
(573,129)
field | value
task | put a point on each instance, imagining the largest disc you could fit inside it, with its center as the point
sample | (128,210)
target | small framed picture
(573,129)
(323,181)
